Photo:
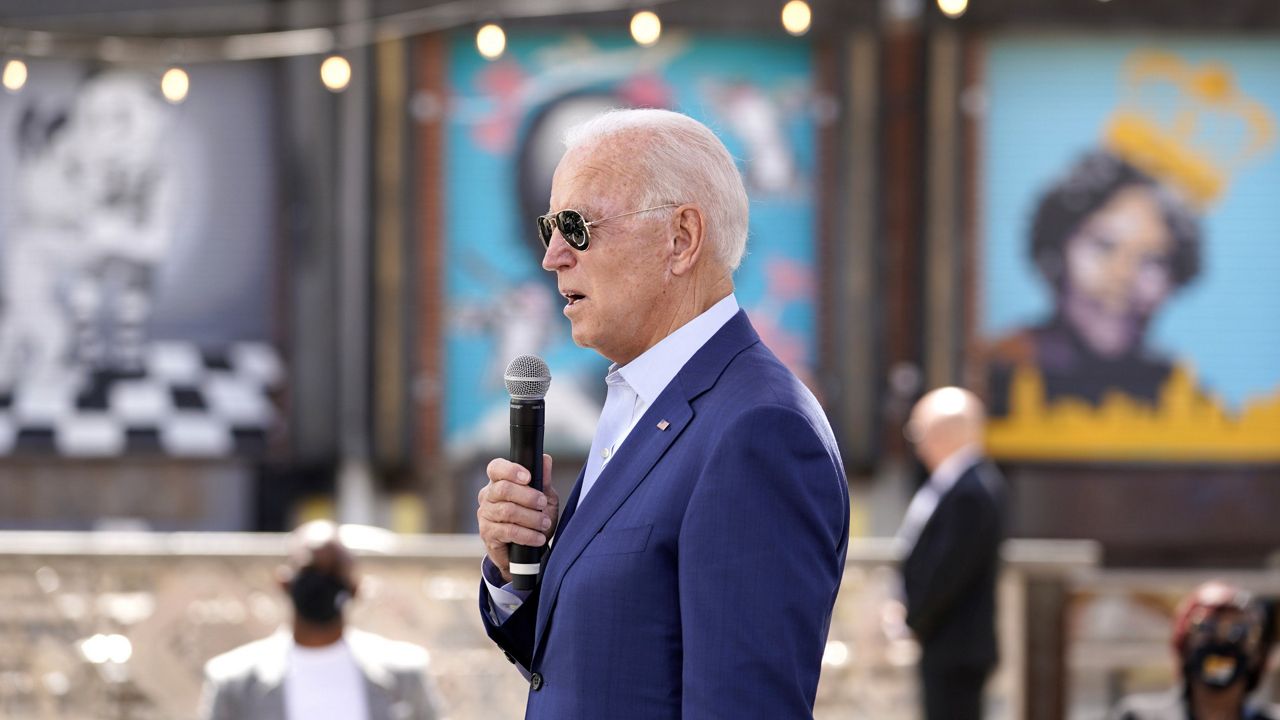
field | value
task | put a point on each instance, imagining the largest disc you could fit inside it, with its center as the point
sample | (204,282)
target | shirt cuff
(504,599)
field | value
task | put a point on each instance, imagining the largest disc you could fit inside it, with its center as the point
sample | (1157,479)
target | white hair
(681,161)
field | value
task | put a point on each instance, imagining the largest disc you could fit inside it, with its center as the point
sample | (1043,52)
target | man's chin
(580,336)
(1115,343)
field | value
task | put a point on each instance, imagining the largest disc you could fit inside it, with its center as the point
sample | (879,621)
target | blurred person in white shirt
(319,669)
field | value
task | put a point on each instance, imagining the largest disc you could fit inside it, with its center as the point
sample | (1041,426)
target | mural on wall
(135,264)
(507,121)
(1128,291)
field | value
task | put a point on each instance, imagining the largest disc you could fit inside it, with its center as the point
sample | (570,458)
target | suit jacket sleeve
(516,635)
(767,526)
(952,550)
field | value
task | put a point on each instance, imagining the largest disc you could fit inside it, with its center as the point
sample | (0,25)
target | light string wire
(122,49)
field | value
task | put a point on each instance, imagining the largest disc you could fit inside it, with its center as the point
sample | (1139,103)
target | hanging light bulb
(796,17)
(174,85)
(646,28)
(953,8)
(335,73)
(15,75)
(491,41)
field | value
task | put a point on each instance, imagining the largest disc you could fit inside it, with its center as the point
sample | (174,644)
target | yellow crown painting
(1168,122)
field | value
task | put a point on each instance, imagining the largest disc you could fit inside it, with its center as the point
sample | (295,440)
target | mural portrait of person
(94,218)
(1114,245)
(507,119)
(1127,290)
(136,262)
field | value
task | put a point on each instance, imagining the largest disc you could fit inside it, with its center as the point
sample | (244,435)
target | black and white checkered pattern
(185,402)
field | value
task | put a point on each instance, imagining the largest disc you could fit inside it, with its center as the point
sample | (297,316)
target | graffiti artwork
(133,309)
(507,120)
(1128,294)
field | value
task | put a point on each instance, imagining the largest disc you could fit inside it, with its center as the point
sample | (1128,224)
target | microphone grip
(527,422)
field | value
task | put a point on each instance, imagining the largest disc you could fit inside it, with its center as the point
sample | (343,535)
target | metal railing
(119,625)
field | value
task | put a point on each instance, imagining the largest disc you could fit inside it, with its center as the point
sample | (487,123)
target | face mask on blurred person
(318,596)
(1222,645)
(1218,665)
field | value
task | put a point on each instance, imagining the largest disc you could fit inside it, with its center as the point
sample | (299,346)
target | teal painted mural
(506,119)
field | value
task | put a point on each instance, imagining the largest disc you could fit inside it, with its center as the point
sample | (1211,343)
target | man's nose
(558,253)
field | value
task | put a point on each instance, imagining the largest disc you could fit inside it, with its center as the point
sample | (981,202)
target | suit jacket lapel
(620,477)
(379,683)
(271,669)
(567,509)
(642,449)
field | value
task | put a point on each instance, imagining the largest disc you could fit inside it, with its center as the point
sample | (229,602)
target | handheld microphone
(527,379)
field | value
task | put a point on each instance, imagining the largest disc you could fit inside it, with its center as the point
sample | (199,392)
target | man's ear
(284,577)
(689,239)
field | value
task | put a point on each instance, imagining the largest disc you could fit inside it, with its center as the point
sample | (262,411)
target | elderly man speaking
(696,561)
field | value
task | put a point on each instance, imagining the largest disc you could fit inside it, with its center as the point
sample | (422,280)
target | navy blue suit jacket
(698,576)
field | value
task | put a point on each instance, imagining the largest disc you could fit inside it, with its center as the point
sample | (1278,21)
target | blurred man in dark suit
(952,533)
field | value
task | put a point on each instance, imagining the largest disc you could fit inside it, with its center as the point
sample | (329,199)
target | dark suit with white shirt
(949,576)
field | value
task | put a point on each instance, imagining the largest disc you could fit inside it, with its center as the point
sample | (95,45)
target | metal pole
(356,496)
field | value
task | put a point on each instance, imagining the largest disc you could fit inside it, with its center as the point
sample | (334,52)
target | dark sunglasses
(575,229)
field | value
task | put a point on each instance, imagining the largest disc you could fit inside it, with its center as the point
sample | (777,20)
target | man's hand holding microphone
(519,508)
(513,512)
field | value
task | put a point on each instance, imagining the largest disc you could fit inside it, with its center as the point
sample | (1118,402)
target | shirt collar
(651,372)
(950,470)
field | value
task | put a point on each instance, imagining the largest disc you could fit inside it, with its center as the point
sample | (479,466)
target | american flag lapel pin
(663,425)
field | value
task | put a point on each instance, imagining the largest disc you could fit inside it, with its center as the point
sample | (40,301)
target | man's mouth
(573,297)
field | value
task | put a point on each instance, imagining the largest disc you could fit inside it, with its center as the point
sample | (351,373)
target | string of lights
(20,44)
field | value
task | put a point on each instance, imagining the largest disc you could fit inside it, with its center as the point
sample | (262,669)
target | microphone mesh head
(527,377)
